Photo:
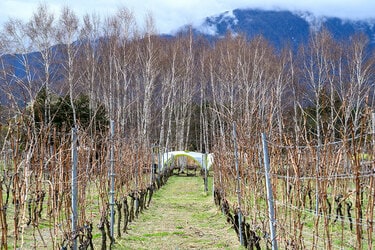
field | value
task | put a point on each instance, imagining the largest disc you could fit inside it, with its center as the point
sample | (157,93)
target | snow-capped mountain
(279,27)
(282,27)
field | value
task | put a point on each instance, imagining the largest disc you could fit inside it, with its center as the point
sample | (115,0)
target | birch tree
(168,82)
(185,91)
(89,33)
(68,33)
(42,33)
(148,62)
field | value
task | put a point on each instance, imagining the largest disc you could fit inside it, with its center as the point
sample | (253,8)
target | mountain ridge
(282,27)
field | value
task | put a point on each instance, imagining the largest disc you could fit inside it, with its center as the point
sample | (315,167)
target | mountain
(281,27)
(14,65)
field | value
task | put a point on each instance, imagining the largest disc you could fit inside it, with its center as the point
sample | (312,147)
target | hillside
(282,27)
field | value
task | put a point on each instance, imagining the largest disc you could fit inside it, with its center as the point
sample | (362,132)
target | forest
(65,73)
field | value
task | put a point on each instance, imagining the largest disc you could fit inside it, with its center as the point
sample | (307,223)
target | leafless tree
(67,34)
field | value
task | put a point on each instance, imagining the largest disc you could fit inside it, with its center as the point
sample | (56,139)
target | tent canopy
(203,160)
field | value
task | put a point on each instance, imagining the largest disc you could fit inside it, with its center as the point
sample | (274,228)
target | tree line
(182,92)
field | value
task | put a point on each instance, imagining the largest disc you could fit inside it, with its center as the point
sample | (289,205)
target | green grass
(162,234)
(181,204)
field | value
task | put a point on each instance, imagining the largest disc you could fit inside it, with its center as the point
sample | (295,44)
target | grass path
(181,216)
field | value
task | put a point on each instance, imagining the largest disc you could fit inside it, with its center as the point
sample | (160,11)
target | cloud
(171,14)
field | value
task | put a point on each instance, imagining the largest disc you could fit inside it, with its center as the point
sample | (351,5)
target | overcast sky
(172,14)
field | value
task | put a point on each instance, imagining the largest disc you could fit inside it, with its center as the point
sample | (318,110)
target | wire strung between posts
(363,222)
(367,174)
(330,178)
(316,146)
